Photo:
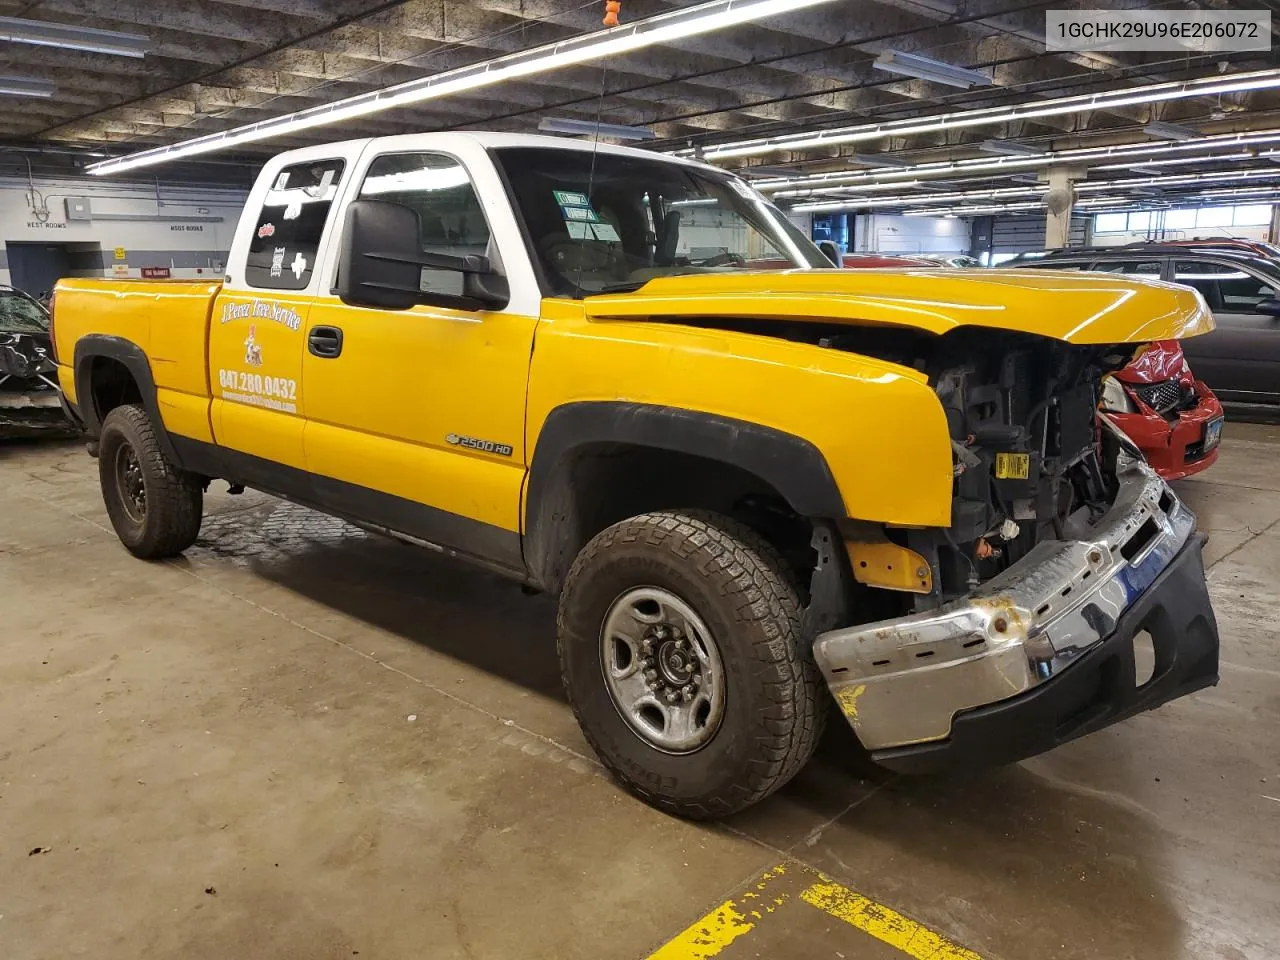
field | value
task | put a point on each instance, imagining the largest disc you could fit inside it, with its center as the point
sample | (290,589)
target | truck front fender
(792,466)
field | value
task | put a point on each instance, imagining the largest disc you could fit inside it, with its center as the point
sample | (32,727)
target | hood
(1083,308)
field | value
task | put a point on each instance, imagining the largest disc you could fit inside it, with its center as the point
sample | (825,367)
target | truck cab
(750,489)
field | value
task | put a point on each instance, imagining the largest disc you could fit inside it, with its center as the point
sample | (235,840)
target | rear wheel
(154,506)
(681,652)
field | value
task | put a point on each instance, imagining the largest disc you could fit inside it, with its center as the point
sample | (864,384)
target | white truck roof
(492,138)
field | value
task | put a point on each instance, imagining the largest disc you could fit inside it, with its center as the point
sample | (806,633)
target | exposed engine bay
(1031,462)
(1030,459)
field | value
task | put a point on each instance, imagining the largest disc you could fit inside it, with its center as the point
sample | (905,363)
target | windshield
(602,222)
(19,314)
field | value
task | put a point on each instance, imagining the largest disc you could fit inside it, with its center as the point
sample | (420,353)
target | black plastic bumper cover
(1097,690)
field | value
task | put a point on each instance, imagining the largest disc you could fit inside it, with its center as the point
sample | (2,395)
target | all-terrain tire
(169,519)
(775,704)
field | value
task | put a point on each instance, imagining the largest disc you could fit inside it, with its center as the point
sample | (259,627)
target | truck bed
(167,319)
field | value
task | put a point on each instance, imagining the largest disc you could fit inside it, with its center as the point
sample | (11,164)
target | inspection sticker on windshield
(569,198)
(1013,466)
(579,213)
(592,231)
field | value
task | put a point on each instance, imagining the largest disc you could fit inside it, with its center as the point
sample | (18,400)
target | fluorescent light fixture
(1082,189)
(766,170)
(1140,152)
(44,34)
(1170,131)
(1010,148)
(879,160)
(589,128)
(917,198)
(986,116)
(26,87)
(925,68)
(1154,165)
(616,41)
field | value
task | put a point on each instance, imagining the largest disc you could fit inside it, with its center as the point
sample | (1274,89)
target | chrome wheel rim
(133,491)
(662,669)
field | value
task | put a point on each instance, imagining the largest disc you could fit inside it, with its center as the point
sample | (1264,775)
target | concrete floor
(303,742)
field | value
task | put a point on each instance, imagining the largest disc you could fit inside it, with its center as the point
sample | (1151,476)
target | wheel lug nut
(651,675)
(646,647)
(687,693)
(672,696)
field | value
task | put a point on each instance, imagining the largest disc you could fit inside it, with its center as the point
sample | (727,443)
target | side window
(286,238)
(1140,268)
(1224,287)
(439,189)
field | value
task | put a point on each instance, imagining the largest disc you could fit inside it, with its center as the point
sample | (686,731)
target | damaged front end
(1064,547)
(30,401)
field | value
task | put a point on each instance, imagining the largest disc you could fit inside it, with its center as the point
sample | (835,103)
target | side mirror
(1270,307)
(832,252)
(381,263)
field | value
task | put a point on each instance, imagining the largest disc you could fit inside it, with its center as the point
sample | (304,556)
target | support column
(1057,227)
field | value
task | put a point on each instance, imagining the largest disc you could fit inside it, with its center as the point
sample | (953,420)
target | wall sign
(155,273)
(120,254)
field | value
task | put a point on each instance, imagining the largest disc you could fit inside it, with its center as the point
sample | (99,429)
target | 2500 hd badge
(484,446)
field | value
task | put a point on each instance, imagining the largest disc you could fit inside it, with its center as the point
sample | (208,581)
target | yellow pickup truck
(747,486)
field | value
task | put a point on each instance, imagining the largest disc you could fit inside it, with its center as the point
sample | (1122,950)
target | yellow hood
(1075,307)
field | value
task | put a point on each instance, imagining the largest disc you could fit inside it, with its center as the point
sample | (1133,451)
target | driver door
(416,417)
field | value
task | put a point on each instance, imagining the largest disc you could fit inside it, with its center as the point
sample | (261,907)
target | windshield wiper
(622,287)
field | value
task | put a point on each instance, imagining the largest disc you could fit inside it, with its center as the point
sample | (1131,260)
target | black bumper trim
(1097,690)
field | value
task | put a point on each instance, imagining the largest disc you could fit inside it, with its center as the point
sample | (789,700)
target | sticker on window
(569,198)
(592,231)
(579,213)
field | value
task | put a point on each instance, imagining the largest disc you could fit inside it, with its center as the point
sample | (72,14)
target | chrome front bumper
(901,682)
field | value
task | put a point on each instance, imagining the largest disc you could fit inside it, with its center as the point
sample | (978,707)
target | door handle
(325,342)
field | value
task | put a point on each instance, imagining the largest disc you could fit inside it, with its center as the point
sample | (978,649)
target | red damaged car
(1173,418)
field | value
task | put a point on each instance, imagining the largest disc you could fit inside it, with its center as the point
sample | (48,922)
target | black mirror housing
(381,260)
(831,251)
(1269,307)
(377,261)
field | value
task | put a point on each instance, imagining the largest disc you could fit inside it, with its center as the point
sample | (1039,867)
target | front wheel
(682,655)
(154,506)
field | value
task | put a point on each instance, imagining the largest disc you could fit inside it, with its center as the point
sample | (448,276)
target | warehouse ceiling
(215,64)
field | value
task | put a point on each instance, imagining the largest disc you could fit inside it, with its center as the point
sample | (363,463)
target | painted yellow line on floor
(889,926)
(738,917)
(726,923)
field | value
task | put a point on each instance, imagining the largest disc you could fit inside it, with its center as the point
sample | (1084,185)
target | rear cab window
(287,233)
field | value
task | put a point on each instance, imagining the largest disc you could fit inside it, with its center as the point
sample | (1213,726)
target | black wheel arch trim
(96,345)
(791,465)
